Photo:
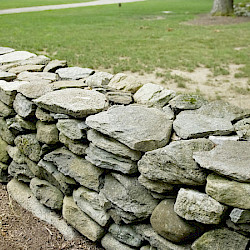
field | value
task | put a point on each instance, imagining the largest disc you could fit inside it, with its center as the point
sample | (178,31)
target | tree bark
(222,7)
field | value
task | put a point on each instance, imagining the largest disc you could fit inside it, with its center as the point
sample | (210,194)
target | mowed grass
(137,37)
(8,4)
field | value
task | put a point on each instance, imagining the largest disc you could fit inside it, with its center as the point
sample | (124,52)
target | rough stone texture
(104,159)
(76,147)
(37,76)
(5,110)
(46,193)
(19,125)
(76,167)
(49,172)
(72,128)
(52,66)
(47,133)
(189,124)
(243,228)
(126,234)
(94,211)
(124,82)
(120,97)
(99,79)
(240,216)
(155,240)
(110,243)
(23,106)
(155,186)
(193,205)
(5,133)
(7,76)
(68,84)
(43,115)
(111,145)
(29,68)
(79,220)
(4,157)
(3,173)
(74,73)
(221,139)
(174,163)
(153,95)
(228,192)
(148,247)
(169,225)
(242,129)
(35,60)
(231,159)
(23,195)
(16,154)
(133,125)
(222,239)
(5,50)
(127,194)
(168,112)
(15,56)
(29,146)
(187,101)
(75,102)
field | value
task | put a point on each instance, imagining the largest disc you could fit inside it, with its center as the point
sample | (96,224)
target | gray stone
(221,139)
(76,167)
(168,112)
(187,101)
(222,239)
(46,193)
(16,155)
(170,226)
(3,173)
(80,221)
(59,116)
(49,172)
(15,56)
(240,216)
(120,97)
(94,211)
(174,164)
(104,159)
(229,192)
(5,50)
(52,66)
(76,147)
(29,146)
(242,129)
(22,194)
(68,84)
(124,82)
(43,115)
(231,159)
(24,107)
(4,157)
(47,133)
(155,186)
(5,110)
(74,73)
(37,76)
(153,95)
(111,145)
(99,79)
(78,103)
(148,247)
(133,125)
(72,128)
(7,76)
(36,60)
(34,168)
(126,234)
(194,205)
(243,228)
(29,68)
(19,125)
(120,217)
(127,194)
(110,243)
(5,133)
(189,124)
(155,240)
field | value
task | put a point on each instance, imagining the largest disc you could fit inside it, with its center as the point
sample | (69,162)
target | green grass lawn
(137,37)
(8,4)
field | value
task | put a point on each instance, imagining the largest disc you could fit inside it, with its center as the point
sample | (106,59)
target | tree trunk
(222,8)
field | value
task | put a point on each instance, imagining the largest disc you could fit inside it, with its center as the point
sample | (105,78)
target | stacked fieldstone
(129,165)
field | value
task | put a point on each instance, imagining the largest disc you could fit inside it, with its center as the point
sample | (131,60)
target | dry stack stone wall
(128,164)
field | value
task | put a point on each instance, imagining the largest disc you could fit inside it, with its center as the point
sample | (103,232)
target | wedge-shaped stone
(99,79)
(44,115)
(36,60)
(194,205)
(111,145)
(29,68)
(138,127)
(5,133)
(240,216)
(76,167)
(189,124)
(15,56)
(5,50)
(52,66)
(120,97)
(80,221)
(64,84)
(242,129)
(104,159)
(231,159)
(7,76)
(229,192)
(47,133)
(24,107)
(90,205)
(174,163)
(75,102)
(37,76)
(18,125)
(74,73)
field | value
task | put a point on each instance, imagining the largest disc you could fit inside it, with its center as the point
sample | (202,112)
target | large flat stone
(52,66)
(15,56)
(174,163)
(29,68)
(5,50)
(231,159)
(78,103)
(37,76)
(74,73)
(138,127)
(7,76)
